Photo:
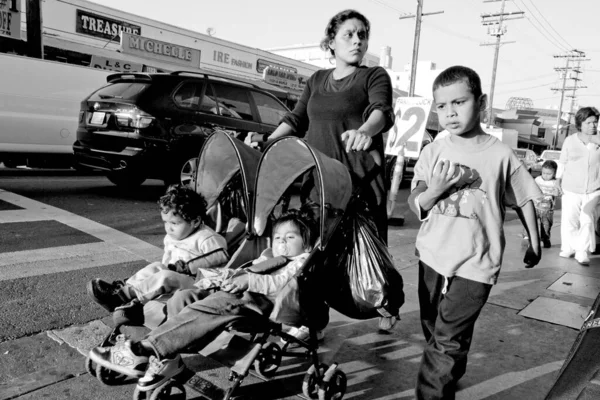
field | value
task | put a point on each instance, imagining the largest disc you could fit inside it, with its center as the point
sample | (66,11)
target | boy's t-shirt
(550,191)
(202,242)
(463,233)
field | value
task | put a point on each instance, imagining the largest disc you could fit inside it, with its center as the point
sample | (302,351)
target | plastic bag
(363,280)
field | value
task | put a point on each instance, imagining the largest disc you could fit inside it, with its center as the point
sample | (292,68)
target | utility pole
(495,23)
(34,29)
(415,56)
(577,70)
(573,55)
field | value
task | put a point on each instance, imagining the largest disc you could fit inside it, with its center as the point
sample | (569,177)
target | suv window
(188,95)
(120,90)
(233,102)
(269,109)
(209,101)
(520,153)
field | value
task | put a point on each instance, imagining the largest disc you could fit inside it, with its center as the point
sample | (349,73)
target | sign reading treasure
(97,25)
(10,19)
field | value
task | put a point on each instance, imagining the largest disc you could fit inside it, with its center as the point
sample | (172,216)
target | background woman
(579,176)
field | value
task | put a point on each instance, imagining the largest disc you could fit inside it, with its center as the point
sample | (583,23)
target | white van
(39,109)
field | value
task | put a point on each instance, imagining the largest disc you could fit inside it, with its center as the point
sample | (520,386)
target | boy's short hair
(550,164)
(304,221)
(584,113)
(184,202)
(459,73)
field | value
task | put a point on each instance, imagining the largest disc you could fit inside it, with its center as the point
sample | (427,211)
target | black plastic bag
(362,280)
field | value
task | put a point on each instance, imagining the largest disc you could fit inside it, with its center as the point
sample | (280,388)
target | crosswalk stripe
(44,267)
(36,211)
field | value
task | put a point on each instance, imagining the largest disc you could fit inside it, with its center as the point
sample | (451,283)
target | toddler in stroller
(192,250)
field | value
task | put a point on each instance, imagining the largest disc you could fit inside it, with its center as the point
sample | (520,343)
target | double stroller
(245,189)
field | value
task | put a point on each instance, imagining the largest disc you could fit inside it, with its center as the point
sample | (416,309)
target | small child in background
(192,251)
(544,205)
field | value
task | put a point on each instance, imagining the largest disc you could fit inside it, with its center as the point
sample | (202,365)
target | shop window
(233,101)
(542,132)
(188,95)
(270,110)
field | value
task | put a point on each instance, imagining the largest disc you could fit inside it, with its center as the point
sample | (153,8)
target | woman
(343,111)
(579,176)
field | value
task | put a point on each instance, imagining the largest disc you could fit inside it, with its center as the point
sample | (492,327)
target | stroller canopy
(221,157)
(281,164)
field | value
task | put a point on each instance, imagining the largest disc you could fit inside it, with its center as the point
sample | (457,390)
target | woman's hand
(356,140)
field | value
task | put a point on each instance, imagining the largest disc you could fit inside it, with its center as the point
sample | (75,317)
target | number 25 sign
(411,115)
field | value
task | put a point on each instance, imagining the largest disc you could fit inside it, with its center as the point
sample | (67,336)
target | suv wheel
(126,179)
(184,173)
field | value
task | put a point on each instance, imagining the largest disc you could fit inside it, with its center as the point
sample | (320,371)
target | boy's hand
(533,255)
(236,284)
(445,175)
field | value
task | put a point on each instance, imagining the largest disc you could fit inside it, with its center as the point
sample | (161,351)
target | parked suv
(142,126)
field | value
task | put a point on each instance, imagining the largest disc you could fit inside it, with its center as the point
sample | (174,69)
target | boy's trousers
(546,218)
(449,309)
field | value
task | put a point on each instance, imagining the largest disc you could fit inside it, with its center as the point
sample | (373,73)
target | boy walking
(544,206)
(461,186)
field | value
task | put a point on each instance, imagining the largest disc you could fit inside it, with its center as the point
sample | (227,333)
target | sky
(525,67)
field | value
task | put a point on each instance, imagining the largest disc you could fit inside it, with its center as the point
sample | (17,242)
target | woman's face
(350,43)
(589,126)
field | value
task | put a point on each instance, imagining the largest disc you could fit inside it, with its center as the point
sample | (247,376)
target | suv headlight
(134,119)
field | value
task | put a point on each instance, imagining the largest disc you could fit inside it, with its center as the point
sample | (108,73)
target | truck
(39,109)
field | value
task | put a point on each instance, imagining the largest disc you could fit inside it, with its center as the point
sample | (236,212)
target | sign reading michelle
(155,49)
(104,27)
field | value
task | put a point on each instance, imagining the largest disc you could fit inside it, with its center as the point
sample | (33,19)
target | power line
(381,3)
(527,79)
(551,41)
(550,25)
(527,88)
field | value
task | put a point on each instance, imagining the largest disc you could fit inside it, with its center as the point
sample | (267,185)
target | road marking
(36,211)
(23,264)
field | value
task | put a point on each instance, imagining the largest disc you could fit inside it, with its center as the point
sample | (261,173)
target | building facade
(85,33)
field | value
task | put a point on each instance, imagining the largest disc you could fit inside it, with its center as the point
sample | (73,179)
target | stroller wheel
(313,380)
(334,386)
(90,367)
(139,395)
(108,376)
(268,360)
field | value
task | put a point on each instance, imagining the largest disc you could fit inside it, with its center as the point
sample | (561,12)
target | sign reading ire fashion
(163,51)
(10,19)
(104,27)
(286,79)
(111,64)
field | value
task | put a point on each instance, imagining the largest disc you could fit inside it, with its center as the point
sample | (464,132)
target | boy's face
(287,241)
(548,174)
(457,108)
(176,227)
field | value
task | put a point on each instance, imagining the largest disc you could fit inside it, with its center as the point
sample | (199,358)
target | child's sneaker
(120,358)
(303,334)
(108,295)
(160,371)
(131,313)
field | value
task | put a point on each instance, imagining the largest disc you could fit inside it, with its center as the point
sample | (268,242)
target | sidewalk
(521,339)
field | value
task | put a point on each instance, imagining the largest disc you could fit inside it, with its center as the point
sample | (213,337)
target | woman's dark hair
(459,73)
(304,221)
(185,202)
(334,25)
(550,165)
(584,113)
